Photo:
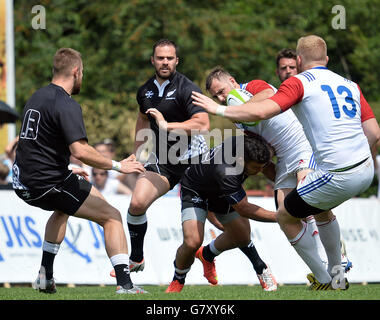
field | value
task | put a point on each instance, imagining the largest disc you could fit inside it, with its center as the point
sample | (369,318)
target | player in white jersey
(329,108)
(283,132)
(286,136)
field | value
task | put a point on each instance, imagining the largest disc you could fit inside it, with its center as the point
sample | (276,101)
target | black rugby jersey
(216,175)
(52,120)
(173,100)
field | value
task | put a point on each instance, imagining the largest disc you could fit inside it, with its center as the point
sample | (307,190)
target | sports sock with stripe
(210,252)
(180,274)
(49,251)
(306,248)
(253,256)
(120,264)
(329,233)
(137,226)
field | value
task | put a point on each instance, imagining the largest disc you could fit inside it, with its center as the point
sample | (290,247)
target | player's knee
(137,205)
(242,240)
(111,214)
(193,243)
(284,217)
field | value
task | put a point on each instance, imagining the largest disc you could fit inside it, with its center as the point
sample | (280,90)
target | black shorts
(173,172)
(190,198)
(67,197)
(299,208)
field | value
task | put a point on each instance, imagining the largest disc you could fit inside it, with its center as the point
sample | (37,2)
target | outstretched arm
(198,122)
(249,111)
(88,155)
(253,212)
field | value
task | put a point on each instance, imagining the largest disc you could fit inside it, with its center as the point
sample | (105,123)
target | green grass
(230,292)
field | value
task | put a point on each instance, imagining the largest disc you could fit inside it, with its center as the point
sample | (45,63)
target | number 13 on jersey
(341,90)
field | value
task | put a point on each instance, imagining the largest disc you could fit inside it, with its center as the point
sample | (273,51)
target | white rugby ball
(237,97)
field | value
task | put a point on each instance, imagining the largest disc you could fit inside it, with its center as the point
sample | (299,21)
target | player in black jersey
(52,130)
(215,184)
(167,95)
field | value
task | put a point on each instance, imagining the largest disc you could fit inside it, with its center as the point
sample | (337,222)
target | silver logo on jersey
(196,199)
(149,94)
(26,194)
(169,95)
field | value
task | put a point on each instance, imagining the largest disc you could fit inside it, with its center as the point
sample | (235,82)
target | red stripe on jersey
(289,93)
(367,112)
(256,86)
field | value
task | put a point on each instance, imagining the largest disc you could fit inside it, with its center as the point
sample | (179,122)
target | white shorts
(286,170)
(326,190)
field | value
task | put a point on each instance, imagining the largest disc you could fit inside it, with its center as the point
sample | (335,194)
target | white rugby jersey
(283,132)
(329,108)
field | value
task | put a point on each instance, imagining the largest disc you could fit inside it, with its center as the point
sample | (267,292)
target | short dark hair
(286,53)
(165,42)
(216,73)
(64,60)
(256,148)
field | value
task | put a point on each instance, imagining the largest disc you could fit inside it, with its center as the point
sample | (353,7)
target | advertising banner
(82,258)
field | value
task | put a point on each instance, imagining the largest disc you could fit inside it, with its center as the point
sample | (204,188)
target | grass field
(190,292)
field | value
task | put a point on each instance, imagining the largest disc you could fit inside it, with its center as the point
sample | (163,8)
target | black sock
(207,254)
(47,263)
(251,252)
(122,276)
(179,276)
(137,235)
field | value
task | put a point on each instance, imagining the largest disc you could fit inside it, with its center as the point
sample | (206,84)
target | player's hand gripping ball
(237,97)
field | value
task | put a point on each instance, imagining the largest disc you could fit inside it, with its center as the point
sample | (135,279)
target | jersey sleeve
(191,108)
(71,122)
(366,110)
(289,93)
(256,86)
(139,100)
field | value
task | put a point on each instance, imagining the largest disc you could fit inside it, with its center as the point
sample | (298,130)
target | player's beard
(165,76)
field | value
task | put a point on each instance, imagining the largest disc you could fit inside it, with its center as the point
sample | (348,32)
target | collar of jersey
(320,67)
(161,88)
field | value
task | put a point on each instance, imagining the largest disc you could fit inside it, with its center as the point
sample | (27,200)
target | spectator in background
(76,163)
(10,151)
(107,186)
(3,74)
(4,184)
(108,149)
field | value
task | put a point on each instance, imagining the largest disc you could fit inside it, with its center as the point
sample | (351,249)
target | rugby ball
(237,97)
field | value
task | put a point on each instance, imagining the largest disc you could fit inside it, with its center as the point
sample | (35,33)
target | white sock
(329,232)
(213,249)
(136,219)
(315,233)
(50,247)
(306,248)
(121,258)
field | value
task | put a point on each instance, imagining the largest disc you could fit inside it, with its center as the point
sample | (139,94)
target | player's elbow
(377,138)
(78,154)
(259,115)
(204,127)
(78,150)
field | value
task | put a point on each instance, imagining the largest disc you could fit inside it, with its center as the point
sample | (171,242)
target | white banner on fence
(82,258)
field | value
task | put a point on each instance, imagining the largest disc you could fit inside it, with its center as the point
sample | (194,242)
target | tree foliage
(116,38)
